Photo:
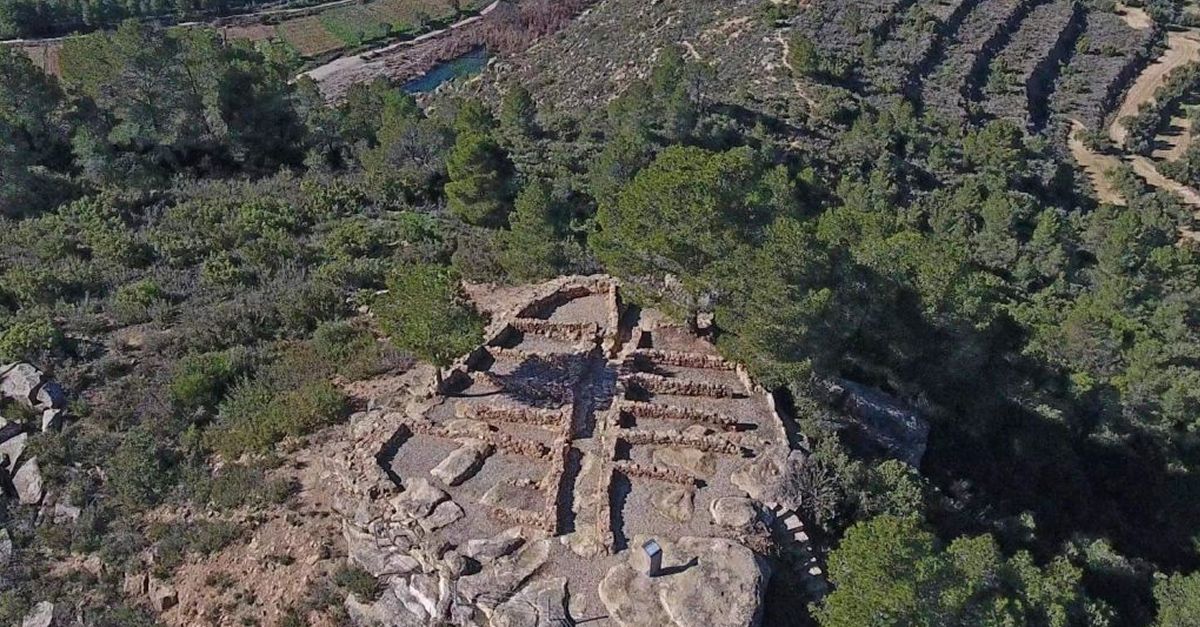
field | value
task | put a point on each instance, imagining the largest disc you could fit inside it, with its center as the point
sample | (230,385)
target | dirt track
(1096,165)
(1182,48)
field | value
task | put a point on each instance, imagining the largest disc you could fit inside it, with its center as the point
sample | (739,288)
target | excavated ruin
(521,490)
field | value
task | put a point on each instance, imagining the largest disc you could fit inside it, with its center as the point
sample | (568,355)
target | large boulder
(694,461)
(734,512)
(673,502)
(445,514)
(418,499)
(706,582)
(28,481)
(13,447)
(42,615)
(20,383)
(162,596)
(725,587)
(462,463)
(762,477)
(542,603)
(489,549)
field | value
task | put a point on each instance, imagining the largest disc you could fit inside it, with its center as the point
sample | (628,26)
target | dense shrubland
(194,275)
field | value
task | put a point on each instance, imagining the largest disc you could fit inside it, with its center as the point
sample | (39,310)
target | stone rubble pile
(28,387)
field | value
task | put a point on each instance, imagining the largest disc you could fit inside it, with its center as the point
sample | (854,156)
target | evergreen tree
(532,248)
(518,115)
(426,313)
(478,187)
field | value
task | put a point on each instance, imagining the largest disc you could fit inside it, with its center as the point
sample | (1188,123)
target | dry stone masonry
(520,490)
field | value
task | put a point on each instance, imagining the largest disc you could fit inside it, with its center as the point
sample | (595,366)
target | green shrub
(201,380)
(238,485)
(358,581)
(25,336)
(140,472)
(256,415)
(222,270)
(134,302)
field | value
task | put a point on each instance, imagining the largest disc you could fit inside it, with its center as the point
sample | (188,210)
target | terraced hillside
(901,60)
(1038,63)
(1023,74)
(955,78)
(1111,50)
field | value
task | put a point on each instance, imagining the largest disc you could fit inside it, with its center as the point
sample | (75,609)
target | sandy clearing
(1096,165)
(287,550)
(1135,17)
(1182,48)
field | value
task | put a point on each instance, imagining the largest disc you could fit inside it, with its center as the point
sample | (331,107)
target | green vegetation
(426,314)
(889,571)
(188,237)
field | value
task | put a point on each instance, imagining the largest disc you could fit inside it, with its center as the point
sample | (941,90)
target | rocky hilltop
(523,489)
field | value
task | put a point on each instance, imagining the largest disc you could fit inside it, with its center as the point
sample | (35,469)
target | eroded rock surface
(511,494)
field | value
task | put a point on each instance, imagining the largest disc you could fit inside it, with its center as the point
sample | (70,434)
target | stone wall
(681,359)
(706,443)
(651,471)
(656,384)
(656,411)
(563,331)
(516,414)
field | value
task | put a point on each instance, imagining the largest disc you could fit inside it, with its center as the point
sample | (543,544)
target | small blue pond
(465,65)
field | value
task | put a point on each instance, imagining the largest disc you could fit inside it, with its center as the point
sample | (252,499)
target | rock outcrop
(42,615)
(488,501)
(706,582)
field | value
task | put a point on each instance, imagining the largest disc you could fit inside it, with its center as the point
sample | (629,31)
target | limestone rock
(427,590)
(387,611)
(20,383)
(490,549)
(462,463)
(412,606)
(364,551)
(761,478)
(13,447)
(694,461)
(42,615)
(28,481)
(162,596)
(50,395)
(6,549)
(542,603)
(52,419)
(507,574)
(136,585)
(469,428)
(66,513)
(446,513)
(725,588)
(631,598)
(880,422)
(418,499)
(734,512)
(674,502)
(706,582)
